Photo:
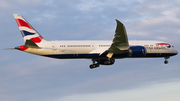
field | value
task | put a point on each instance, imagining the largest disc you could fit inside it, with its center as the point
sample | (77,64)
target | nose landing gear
(166,61)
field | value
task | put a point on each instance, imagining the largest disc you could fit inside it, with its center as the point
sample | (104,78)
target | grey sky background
(27,77)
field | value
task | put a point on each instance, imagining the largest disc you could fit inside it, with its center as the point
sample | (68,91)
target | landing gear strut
(94,65)
(166,61)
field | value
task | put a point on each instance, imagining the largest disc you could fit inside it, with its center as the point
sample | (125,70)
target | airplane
(100,52)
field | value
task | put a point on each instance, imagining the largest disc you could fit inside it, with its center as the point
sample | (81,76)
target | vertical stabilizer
(28,32)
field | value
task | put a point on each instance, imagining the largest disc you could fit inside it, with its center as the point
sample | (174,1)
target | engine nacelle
(106,61)
(137,51)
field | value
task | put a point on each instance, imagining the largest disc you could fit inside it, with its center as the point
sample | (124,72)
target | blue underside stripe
(66,56)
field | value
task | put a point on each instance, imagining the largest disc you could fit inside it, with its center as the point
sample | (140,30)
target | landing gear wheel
(165,62)
(97,65)
(94,66)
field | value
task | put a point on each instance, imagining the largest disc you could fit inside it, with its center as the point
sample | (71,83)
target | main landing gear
(105,61)
(94,65)
(166,61)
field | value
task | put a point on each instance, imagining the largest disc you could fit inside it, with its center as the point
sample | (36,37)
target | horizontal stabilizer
(31,44)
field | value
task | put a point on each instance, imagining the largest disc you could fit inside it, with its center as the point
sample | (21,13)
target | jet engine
(137,51)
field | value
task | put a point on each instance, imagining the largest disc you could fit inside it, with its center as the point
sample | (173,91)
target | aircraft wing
(120,42)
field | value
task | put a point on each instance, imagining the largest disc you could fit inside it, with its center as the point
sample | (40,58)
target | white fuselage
(80,49)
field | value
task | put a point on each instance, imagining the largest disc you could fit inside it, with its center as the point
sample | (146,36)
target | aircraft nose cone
(175,52)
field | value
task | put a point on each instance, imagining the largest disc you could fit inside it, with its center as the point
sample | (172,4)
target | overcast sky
(27,77)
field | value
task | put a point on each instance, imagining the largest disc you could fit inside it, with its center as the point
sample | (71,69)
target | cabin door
(54,48)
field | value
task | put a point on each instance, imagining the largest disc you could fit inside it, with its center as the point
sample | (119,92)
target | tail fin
(28,32)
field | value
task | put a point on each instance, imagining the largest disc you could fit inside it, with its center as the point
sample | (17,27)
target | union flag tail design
(28,32)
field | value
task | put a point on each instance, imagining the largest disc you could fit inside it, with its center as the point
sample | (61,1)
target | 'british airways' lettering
(157,48)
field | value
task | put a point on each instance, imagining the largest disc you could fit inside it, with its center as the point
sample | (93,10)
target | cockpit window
(168,46)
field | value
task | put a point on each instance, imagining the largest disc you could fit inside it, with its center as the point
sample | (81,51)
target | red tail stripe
(37,39)
(162,44)
(22,23)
